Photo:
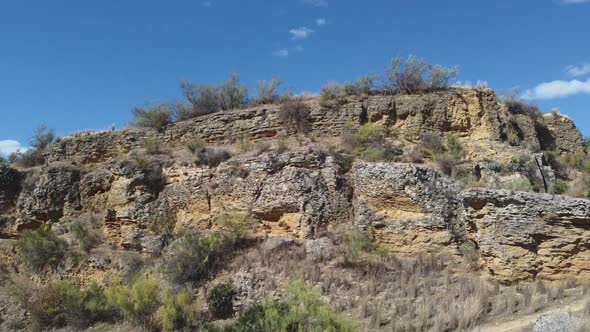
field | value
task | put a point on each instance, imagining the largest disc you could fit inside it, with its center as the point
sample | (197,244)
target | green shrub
(332,96)
(519,184)
(195,144)
(232,94)
(43,137)
(303,310)
(41,248)
(358,246)
(370,132)
(62,303)
(561,187)
(204,99)
(155,116)
(294,115)
(455,148)
(192,258)
(520,160)
(412,75)
(162,223)
(85,234)
(30,158)
(138,304)
(361,86)
(244,144)
(235,226)
(446,163)
(153,145)
(178,311)
(432,144)
(518,106)
(373,154)
(220,300)
(267,91)
(575,160)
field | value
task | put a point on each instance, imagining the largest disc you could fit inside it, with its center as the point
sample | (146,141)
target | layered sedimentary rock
(524,235)
(412,209)
(472,114)
(303,193)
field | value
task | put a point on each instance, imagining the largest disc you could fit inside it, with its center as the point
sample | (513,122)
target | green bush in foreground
(86,235)
(178,311)
(192,257)
(63,303)
(138,304)
(302,311)
(41,248)
(220,300)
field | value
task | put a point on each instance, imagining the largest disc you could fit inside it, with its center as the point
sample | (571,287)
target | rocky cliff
(304,193)
(475,115)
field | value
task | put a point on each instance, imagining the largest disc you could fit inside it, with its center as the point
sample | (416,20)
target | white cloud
(557,89)
(8,146)
(576,71)
(299,48)
(320,21)
(301,33)
(574,1)
(317,3)
(281,52)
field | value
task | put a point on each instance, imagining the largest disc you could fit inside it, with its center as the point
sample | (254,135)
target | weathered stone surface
(413,209)
(296,194)
(525,235)
(468,113)
(321,249)
(55,193)
(563,133)
(557,321)
(9,186)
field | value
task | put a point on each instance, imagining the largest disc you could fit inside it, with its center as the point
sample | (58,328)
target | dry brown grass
(424,293)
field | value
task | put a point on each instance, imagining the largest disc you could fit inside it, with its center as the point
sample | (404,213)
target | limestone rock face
(475,114)
(55,193)
(299,195)
(413,209)
(563,133)
(296,194)
(525,235)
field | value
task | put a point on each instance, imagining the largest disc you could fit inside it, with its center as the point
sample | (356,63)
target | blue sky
(78,65)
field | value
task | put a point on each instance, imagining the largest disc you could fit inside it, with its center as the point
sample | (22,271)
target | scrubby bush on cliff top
(294,114)
(206,99)
(413,75)
(155,116)
(267,92)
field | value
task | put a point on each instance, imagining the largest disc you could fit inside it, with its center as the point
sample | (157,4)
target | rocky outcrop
(413,209)
(522,235)
(296,194)
(562,133)
(52,194)
(473,114)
